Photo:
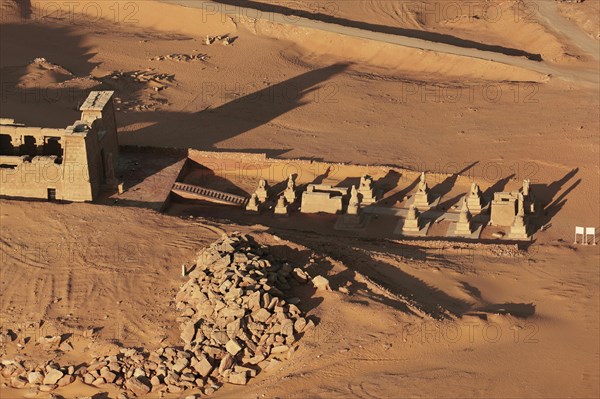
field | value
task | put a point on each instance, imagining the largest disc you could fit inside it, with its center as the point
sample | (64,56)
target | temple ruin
(75,163)
(71,163)
(280,192)
(504,209)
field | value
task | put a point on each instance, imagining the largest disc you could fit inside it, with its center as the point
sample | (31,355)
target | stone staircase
(207,194)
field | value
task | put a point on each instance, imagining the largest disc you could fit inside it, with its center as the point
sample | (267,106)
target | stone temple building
(71,163)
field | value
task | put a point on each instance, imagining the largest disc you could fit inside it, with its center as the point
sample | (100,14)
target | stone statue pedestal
(462,229)
(410,226)
(474,204)
(367,197)
(281,208)
(354,222)
(456,230)
(518,231)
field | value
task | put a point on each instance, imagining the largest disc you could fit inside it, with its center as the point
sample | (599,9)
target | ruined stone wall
(239,166)
(32,177)
(18,133)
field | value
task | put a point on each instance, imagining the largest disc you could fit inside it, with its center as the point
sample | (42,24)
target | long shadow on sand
(488,194)
(206,128)
(446,186)
(551,202)
(384,283)
(390,285)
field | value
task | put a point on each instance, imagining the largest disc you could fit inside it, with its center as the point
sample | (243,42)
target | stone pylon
(526,187)
(518,230)
(528,198)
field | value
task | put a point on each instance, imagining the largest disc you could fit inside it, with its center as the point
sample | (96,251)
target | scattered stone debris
(45,64)
(225,40)
(181,57)
(234,318)
(144,76)
(145,83)
(321,283)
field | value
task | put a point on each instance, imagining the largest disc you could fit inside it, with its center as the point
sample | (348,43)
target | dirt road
(550,16)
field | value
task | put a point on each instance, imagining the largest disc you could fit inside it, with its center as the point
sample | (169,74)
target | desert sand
(496,98)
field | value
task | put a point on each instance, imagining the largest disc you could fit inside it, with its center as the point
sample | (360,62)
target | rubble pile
(235,321)
(234,314)
(45,377)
